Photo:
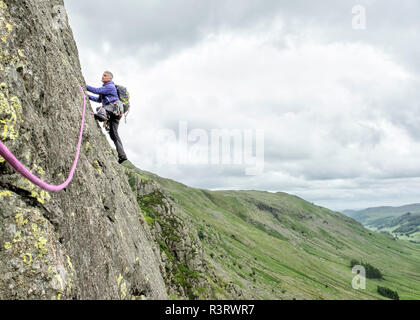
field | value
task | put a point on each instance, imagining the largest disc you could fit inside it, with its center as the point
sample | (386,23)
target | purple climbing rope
(20,168)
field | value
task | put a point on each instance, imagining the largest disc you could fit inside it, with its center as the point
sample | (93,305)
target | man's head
(107,77)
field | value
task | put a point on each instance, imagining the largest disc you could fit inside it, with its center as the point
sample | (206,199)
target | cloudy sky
(334,87)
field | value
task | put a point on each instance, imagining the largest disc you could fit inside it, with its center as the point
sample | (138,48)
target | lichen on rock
(10,114)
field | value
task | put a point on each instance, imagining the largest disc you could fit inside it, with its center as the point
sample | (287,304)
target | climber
(108,96)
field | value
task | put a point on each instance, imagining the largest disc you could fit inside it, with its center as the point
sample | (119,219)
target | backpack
(124,97)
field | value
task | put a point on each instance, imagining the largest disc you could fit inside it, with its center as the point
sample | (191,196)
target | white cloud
(337,115)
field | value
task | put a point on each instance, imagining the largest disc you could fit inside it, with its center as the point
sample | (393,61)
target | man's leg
(113,132)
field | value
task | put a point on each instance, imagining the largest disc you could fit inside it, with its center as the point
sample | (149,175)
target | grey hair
(109,73)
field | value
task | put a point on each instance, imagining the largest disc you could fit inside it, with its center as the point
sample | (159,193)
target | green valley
(278,246)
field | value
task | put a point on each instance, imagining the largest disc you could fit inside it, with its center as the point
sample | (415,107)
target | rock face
(187,273)
(183,265)
(87,241)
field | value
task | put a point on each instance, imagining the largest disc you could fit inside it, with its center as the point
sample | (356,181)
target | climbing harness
(20,168)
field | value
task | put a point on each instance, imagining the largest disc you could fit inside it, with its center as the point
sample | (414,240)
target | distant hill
(402,222)
(366,216)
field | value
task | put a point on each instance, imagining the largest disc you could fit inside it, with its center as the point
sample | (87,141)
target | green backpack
(124,97)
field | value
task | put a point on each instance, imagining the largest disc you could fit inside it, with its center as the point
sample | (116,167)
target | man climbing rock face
(108,96)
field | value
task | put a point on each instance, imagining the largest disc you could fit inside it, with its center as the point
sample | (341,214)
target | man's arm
(96,99)
(105,90)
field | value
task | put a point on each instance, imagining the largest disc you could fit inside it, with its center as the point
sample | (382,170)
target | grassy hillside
(278,246)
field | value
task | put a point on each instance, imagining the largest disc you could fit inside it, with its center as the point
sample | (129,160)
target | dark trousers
(113,133)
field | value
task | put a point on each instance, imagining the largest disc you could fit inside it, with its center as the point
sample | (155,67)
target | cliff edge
(88,241)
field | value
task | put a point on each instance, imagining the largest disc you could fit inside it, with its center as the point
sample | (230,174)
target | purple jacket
(107,93)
